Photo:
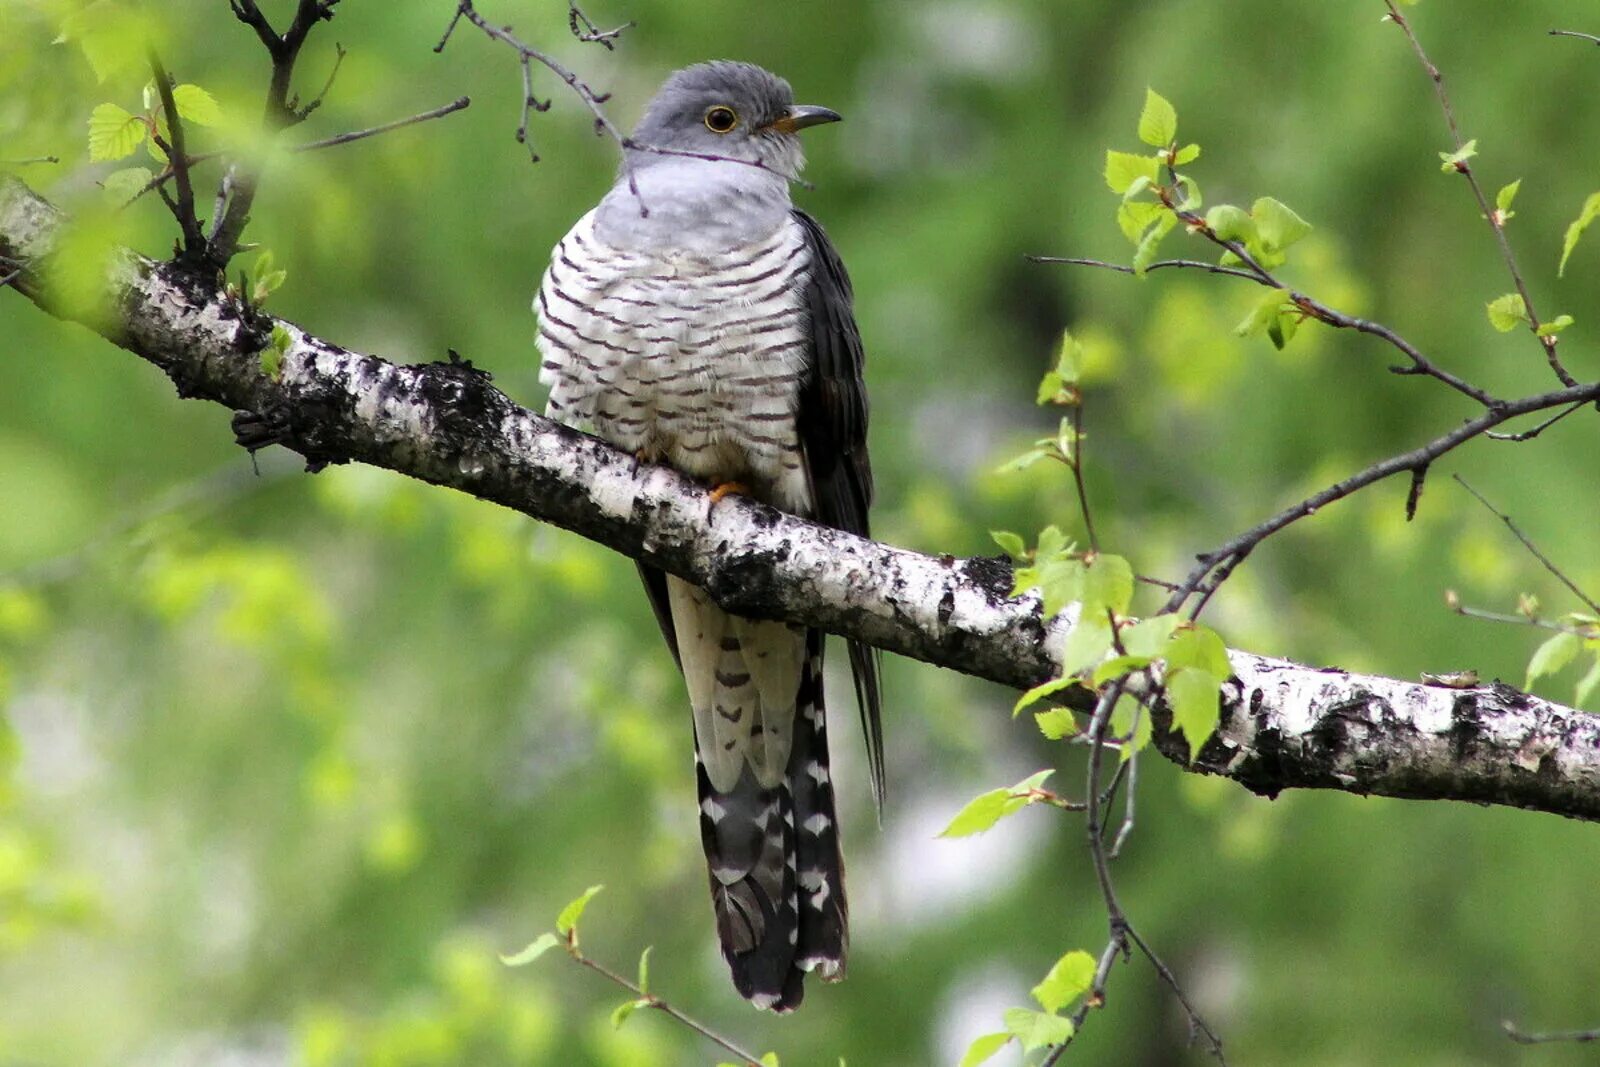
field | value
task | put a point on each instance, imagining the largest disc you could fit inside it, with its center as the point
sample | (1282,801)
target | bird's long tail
(766,799)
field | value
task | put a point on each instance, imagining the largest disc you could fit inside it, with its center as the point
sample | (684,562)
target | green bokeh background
(285,760)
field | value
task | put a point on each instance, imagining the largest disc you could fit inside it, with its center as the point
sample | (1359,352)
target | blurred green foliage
(285,760)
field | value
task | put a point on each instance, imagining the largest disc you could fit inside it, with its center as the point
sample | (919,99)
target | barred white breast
(687,357)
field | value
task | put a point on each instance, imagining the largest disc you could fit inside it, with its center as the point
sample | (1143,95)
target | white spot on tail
(713,811)
(818,824)
(818,772)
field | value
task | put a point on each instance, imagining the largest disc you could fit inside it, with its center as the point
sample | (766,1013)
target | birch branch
(1284,725)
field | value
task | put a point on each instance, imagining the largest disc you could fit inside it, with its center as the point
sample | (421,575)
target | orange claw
(722,489)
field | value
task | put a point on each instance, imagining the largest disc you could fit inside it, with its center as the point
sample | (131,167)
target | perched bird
(696,317)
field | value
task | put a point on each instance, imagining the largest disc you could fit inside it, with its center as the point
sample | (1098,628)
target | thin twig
(9,277)
(1192,264)
(316,101)
(1523,1037)
(1223,559)
(1591,38)
(1490,213)
(27,162)
(359,135)
(194,242)
(1132,763)
(527,55)
(653,1001)
(1524,620)
(590,33)
(1528,435)
(1532,548)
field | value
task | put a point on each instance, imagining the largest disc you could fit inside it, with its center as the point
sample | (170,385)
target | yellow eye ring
(721,119)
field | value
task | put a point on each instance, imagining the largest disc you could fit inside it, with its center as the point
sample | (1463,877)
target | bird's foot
(722,489)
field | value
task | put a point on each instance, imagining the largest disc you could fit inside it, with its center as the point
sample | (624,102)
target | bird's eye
(721,119)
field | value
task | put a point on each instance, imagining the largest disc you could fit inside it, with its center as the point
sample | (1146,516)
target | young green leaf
(1134,217)
(1158,122)
(1107,583)
(114,132)
(986,809)
(1087,644)
(1124,168)
(1116,667)
(573,911)
(1590,211)
(1278,226)
(1502,199)
(1231,223)
(196,105)
(538,947)
(1507,312)
(123,185)
(1555,325)
(1056,723)
(620,1013)
(1552,656)
(1068,980)
(1200,647)
(982,1048)
(1588,683)
(1039,692)
(1011,544)
(1149,637)
(1185,155)
(1144,253)
(1193,695)
(1035,1029)
(1457,160)
(644,969)
(1129,720)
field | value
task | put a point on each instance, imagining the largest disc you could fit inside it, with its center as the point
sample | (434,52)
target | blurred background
(286,760)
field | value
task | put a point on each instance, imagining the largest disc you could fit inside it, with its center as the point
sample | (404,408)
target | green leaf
(1060,583)
(1457,161)
(1194,696)
(1144,253)
(644,969)
(982,1048)
(114,132)
(1555,325)
(1200,647)
(1069,358)
(1552,656)
(1068,980)
(1502,199)
(620,1013)
(1056,723)
(1087,644)
(1011,544)
(1506,312)
(538,947)
(196,105)
(1116,667)
(1108,583)
(123,185)
(986,809)
(1277,225)
(1134,217)
(1187,154)
(1035,1029)
(769,1059)
(1124,168)
(573,911)
(1586,685)
(1158,122)
(1149,637)
(1039,692)
(1231,223)
(1272,306)
(1590,211)
(1127,718)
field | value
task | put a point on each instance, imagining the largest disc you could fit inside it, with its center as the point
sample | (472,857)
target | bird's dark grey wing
(833,432)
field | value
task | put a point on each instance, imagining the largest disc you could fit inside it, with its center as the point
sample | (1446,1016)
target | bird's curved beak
(799,116)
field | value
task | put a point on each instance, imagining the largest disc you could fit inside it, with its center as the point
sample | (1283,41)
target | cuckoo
(697,318)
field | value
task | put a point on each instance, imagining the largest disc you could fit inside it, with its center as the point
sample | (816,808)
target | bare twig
(360,135)
(528,55)
(1223,559)
(1523,1037)
(650,1000)
(1528,435)
(194,241)
(1532,548)
(1524,620)
(1192,264)
(279,111)
(1591,38)
(1490,213)
(591,33)
(10,276)
(28,162)
(316,101)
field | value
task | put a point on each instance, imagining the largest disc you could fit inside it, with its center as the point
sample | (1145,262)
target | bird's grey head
(729,109)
